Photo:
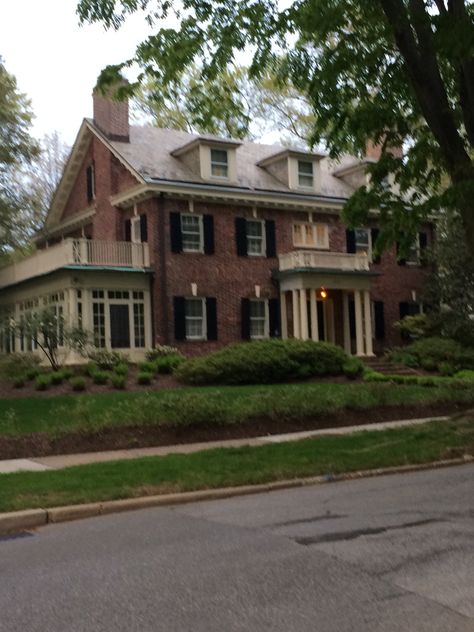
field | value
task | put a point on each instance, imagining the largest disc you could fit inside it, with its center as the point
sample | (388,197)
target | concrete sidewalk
(70,460)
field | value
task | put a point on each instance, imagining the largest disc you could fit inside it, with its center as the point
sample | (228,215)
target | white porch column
(358,323)
(71,308)
(368,324)
(304,315)
(283,316)
(347,326)
(296,313)
(314,315)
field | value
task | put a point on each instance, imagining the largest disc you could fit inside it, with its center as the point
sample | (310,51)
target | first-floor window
(258,318)
(139,324)
(98,312)
(194,318)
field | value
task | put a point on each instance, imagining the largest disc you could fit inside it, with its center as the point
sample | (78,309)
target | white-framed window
(309,235)
(195,318)
(255,232)
(192,232)
(363,242)
(259,321)
(104,318)
(305,174)
(219,163)
(413,255)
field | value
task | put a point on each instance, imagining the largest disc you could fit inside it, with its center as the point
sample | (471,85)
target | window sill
(303,247)
(191,252)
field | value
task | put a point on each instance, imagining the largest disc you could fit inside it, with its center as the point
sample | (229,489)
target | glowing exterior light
(324,294)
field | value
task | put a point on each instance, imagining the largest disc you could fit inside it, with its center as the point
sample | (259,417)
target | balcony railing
(310,259)
(84,252)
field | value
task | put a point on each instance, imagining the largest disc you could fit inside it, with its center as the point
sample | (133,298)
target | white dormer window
(219,163)
(305,174)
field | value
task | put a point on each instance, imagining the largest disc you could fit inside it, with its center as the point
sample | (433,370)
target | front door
(119,327)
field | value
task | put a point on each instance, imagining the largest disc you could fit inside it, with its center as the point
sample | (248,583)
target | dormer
(213,160)
(355,172)
(298,170)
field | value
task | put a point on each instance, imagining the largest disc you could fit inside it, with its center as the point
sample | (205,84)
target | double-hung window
(413,255)
(195,318)
(192,232)
(363,242)
(255,237)
(258,319)
(219,163)
(305,174)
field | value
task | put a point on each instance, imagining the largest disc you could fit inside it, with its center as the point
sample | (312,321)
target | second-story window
(255,238)
(308,235)
(192,232)
(363,245)
(305,174)
(219,163)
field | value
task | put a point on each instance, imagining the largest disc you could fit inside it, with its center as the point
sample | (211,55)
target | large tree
(17,149)
(397,72)
(231,103)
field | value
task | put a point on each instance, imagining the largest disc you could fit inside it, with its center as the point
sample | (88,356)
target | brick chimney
(111,115)
(373,151)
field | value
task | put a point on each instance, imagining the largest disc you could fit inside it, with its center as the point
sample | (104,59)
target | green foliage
(146,367)
(465,374)
(396,72)
(446,369)
(19,381)
(168,364)
(121,369)
(18,364)
(431,353)
(78,383)
(100,377)
(67,373)
(107,360)
(353,367)
(413,327)
(262,362)
(31,373)
(91,368)
(43,382)
(144,378)
(56,377)
(159,351)
(119,381)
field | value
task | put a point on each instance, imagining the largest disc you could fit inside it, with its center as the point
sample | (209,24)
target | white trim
(263,239)
(200,225)
(266,319)
(203,317)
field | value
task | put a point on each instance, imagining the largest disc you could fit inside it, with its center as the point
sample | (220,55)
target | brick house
(156,236)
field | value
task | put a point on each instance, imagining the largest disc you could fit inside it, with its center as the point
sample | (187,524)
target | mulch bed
(124,437)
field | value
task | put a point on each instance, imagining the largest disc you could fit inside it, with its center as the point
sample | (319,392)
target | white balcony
(316,260)
(81,252)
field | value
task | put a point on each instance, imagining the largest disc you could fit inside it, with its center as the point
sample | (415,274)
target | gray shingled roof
(149,153)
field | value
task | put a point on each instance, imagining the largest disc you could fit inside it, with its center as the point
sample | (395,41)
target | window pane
(362,239)
(254,237)
(305,181)
(257,328)
(257,309)
(219,166)
(194,328)
(191,227)
(309,235)
(193,307)
(321,235)
(305,167)
(139,324)
(219,155)
(254,229)
(190,223)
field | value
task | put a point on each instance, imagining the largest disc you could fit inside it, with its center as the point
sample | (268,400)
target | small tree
(47,331)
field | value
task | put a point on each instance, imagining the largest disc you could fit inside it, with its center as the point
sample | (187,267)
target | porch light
(323,293)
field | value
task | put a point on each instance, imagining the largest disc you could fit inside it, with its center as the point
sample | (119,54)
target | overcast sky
(56,62)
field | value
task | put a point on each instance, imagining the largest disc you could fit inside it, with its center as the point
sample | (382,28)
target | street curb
(31,518)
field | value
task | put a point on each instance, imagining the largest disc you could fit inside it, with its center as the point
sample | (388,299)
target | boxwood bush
(435,354)
(263,362)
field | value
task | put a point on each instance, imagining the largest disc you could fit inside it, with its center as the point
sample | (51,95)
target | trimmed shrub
(168,363)
(146,367)
(43,382)
(56,377)
(100,377)
(18,382)
(67,373)
(90,369)
(430,353)
(466,374)
(446,369)
(121,369)
(31,374)
(107,360)
(78,383)
(144,378)
(263,362)
(353,368)
(429,364)
(119,381)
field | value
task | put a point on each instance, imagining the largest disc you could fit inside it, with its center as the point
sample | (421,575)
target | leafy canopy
(398,72)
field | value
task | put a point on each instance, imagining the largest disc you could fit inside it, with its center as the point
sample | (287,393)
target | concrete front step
(388,368)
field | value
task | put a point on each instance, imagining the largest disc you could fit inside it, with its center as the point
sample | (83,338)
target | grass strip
(219,405)
(237,466)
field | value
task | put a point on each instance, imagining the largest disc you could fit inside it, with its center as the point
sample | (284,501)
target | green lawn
(237,466)
(220,405)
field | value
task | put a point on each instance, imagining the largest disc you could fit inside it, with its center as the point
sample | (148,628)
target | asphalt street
(393,553)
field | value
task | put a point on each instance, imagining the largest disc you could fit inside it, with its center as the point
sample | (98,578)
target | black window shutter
(374,234)
(127,230)
(179,320)
(211,318)
(90,183)
(274,317)
(379,320)
(423,237)
(208,226)
(143,229)
(350,241)
(245,318)
(404,309)
(401,262)
(270,237)
(175,232)
(241,236)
